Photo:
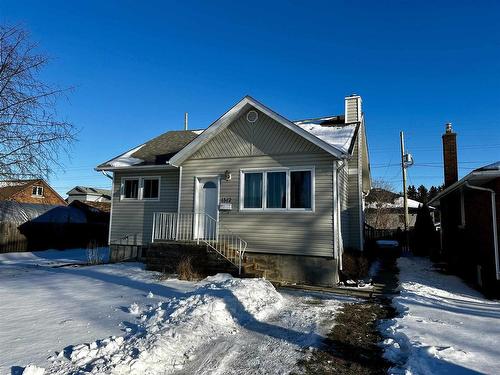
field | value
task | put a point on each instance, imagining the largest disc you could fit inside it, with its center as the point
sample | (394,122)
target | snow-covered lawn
(443,327)
(119,318)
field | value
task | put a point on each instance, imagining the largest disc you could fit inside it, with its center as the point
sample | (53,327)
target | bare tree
(31,134)
(381,213)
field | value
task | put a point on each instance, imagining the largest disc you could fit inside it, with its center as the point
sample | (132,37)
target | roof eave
(461,182)
(136,167)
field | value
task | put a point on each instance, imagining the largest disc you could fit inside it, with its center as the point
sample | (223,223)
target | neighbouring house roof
(89,191)
(480,175)
(9,189)
(101,206)
(15,212)
(382,198)
(329,133)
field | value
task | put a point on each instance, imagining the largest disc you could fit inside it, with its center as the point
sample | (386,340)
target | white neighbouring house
(88,194)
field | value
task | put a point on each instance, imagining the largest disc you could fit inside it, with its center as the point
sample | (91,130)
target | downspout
(339,243)
(494,221)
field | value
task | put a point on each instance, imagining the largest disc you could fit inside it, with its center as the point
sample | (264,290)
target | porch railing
(200,228)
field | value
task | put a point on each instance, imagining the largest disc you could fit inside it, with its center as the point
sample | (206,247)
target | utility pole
(405,162)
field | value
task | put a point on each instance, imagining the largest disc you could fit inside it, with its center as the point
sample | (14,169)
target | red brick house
(470,220)
(29,191)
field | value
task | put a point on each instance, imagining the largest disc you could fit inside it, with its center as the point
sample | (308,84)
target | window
(253,190)
(150,188)
(37,191)
(277,190)
(300,189)
(131,189)
(140,188)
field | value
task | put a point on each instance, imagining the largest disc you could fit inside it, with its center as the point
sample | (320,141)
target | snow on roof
(339,137)
(490,167)
(126,160)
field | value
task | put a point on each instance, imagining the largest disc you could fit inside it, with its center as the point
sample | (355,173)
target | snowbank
(170,332)
(51,257)
(443,327)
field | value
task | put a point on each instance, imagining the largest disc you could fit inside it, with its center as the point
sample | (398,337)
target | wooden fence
(32,236)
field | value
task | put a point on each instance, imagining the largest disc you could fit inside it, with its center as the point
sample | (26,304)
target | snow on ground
(121,319)
(443,327)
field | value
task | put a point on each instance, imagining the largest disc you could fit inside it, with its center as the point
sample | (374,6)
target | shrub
(355,265)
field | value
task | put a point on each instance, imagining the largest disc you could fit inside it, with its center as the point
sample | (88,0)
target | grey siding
(264,137)
(352,231)
(135,218)
(343,180)
(266,144)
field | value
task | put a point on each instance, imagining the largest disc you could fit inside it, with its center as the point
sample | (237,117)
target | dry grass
(186,271)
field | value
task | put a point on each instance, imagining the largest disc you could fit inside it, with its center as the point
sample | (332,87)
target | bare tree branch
(31,134)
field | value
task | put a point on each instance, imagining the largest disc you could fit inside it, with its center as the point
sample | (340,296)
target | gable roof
(157,151)
(89,191)
(330,133)
(244,104)
(10,188)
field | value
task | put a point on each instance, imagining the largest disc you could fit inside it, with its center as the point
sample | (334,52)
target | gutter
(494,222)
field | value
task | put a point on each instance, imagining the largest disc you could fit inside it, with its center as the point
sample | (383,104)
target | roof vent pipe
(185,121)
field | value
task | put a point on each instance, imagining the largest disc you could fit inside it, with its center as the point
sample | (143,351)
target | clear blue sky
(137,66)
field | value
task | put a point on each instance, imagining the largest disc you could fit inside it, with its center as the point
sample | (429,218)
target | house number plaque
(225,204)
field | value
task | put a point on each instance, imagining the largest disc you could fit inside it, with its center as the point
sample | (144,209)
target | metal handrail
(199,227)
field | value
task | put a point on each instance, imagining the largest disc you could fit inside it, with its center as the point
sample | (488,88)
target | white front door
(207,204)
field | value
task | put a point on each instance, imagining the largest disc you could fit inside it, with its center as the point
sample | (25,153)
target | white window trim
(141,187)
(264,172)
(37,195)
(140,191)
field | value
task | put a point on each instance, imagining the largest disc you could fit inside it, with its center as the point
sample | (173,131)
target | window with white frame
(130,188)
(277,190)
(140,188)
(150,188)
(37,191)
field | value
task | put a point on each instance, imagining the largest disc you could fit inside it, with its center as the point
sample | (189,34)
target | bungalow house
(470,219)
(253,187)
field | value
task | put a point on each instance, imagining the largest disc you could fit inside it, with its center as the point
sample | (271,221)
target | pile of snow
(126,160)
(52,258)
(171,332)
(443,327)
(339,137)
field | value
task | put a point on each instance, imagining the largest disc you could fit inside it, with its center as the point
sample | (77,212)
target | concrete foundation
(296,269)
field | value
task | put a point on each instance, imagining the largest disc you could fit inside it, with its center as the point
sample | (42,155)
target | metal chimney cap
(448,127)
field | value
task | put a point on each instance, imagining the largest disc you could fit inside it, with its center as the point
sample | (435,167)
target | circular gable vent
(252,116)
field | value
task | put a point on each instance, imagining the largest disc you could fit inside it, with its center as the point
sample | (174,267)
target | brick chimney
(450,156)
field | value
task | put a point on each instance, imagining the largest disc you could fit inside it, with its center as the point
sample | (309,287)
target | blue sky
(136,67)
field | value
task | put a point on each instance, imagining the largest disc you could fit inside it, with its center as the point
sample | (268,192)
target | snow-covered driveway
(121,319)
(444,326)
